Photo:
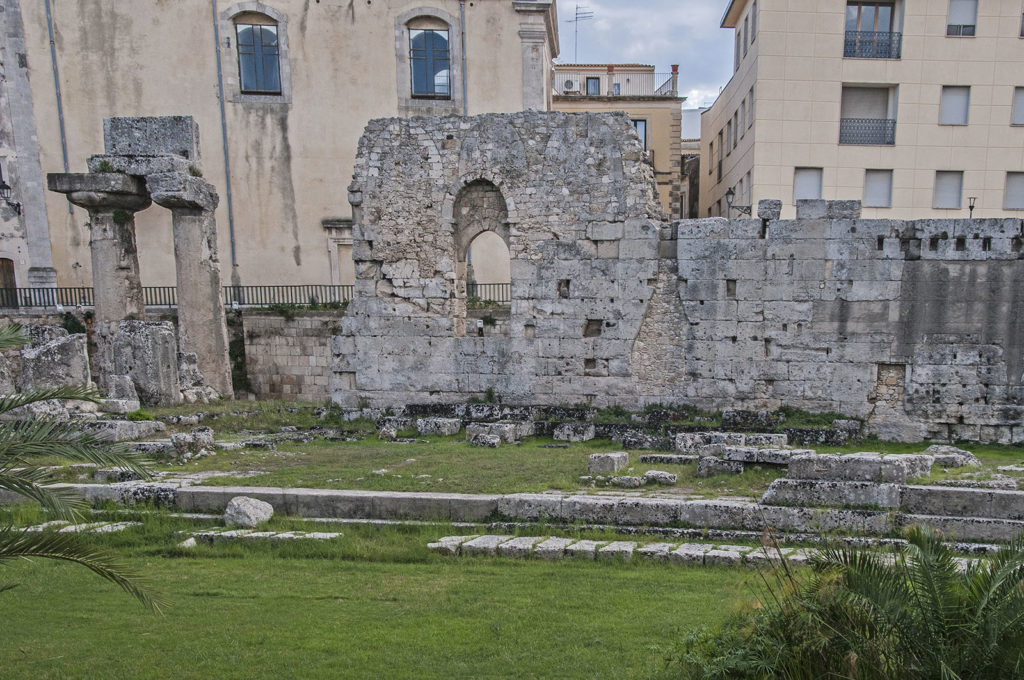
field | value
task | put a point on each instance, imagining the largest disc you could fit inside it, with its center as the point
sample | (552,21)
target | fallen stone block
(116,475)
(690,442)
(449,545)
(552,548)
(668,459)
(710,466)
(574,432)
(768,440)
(122,430)
(484,545)
(243,511)
(617,550)
(603,463)
(627,482)
(491,441)
(862,467)
(655,551)
(659,477)
(520,546)
(584,550)
(440,426)
(690,553)
(951,456)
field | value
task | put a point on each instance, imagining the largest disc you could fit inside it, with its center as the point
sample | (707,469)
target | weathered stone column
(202,328)
(112,200)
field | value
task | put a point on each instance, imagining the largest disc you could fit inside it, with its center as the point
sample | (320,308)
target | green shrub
(139,415)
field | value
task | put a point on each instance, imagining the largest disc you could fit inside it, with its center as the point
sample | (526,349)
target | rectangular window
(735,128)
(728,138)
(1014,197)
(878,188)
(743,117)
(746,34)
(641,131)
(949,186)
(739,39)
(1017,111)
(711,156)
(748,199)
(753,22)
(750,115)
(259,68)
(806,183)
(593,86)
(429,58)
(954,105)
(963,17)
(721,136)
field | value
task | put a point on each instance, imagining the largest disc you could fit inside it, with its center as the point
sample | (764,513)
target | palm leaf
(70,547)
(33,484)
(22,441)
(9,402)
(12,335)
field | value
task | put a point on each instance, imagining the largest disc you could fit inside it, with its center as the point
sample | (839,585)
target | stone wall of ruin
(289,357)
(915,327)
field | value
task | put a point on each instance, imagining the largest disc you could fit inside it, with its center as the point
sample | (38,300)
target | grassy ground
(374,603)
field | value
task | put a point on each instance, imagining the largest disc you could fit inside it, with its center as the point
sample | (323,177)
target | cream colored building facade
(652,102)
(912,106)
(281,91)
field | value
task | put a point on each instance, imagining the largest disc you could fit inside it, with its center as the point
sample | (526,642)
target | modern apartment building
(915,107)
(652,102)
(281,90)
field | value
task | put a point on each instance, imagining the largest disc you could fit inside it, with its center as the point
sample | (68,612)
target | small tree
(24,445)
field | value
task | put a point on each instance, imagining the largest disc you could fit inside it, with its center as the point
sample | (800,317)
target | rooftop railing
(867,131)
(494,292)
(614,84)
(873,45)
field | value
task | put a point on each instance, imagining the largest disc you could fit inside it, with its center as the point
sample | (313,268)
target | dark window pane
(851,17)
(259,67)
(593,86)
(245,35)
(269,36)
(884,18)
(429,61)
(247,71)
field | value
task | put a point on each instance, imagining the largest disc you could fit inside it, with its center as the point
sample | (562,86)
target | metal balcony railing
(167,296)
(495,292)
(867,131)
(614,84)
(873,45)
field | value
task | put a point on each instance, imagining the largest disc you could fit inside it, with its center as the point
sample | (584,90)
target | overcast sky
(658,32)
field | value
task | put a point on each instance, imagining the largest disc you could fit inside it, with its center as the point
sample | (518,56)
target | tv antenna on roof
(582,14)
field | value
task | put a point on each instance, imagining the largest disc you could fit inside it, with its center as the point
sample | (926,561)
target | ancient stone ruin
(912,326)
(153,160)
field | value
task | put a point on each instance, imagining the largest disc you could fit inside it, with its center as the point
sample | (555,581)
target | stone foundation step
(62,527)
(962,502)
(695,442)
(556,548)
(966,528)
(220,535)
(668,459)
(842,494)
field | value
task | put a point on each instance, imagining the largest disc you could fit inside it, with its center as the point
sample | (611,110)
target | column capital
(177,190)
(101,190)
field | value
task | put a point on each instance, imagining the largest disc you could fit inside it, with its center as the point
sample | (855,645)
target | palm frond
(23,441)
(12,335)
(16,544)
(9,402)
(33,484)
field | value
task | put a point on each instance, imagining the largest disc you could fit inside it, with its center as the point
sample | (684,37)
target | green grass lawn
(373,604)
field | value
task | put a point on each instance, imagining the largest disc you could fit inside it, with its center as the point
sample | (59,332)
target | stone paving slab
(586,550)
(484,545)
(217,535)
(617,549)
(553,548)
(519,547)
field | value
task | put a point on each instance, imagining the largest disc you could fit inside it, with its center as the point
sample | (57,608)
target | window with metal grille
(430,62)
(259,66)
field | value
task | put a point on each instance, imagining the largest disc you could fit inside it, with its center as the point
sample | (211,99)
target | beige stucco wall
(291,160)
(799,72)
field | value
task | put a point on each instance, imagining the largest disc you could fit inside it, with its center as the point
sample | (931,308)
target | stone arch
(448,206)
(478,207)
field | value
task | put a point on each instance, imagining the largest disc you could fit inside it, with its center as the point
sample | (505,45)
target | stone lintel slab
(183,191)
(138,165)
(152,136)
(101,182)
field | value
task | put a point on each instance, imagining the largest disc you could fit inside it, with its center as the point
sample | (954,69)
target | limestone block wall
(579,219)
(914,326)
(290,357)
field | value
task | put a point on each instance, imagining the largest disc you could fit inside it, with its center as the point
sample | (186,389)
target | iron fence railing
(167,296)
(614,84)
(496,292)
(873,45)
(867,131)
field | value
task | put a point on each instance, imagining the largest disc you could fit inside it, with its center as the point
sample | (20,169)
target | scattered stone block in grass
(115,475)
(719,557)
(655,551)
(585,550)
(660,477)
(574,432)
(617,550)
(243,511)
(627,482)
(552,548)
(440,426)
(689,553)
(490,441)
(603,463)
(668,459)
(768,440)
(520,546)
(709,466)
(484,545)
(951,456)
(449,545)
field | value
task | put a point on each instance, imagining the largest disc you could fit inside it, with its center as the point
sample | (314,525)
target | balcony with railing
(867,131)
(614,84)
(873,45)
(166,296)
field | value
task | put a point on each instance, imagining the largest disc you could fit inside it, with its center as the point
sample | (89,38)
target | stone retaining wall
(290,357)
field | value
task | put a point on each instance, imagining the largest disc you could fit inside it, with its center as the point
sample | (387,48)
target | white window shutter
(806,183)
(1014,198)
(948,189)
(953,106)
(877,188)
(963,12)
(1017,116)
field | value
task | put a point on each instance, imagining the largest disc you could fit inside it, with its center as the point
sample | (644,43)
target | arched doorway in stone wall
(482,259)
